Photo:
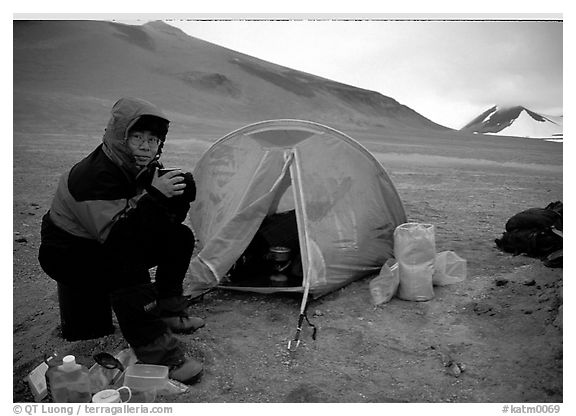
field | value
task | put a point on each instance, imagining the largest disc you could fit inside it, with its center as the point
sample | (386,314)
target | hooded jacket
(106,197)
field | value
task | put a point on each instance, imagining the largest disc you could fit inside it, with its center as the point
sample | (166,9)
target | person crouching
(112,219)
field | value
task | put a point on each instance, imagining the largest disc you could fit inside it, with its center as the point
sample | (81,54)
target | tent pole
(301,220)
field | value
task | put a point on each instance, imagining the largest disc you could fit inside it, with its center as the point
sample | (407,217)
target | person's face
(143,145)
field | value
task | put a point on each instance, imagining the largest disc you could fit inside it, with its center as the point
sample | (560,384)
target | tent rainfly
(345,204)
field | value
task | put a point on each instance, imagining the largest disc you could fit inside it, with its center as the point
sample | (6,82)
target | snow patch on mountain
(526,126)
(487,118)
(517,121)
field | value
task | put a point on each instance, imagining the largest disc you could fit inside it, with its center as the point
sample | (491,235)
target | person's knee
(44,261)
(184,236)
(52,265)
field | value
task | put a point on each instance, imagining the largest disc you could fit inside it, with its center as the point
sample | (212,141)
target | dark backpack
(536,232)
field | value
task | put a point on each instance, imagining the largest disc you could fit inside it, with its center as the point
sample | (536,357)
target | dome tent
(346,206)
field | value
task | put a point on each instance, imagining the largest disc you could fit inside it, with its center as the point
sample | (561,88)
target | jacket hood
(125,113)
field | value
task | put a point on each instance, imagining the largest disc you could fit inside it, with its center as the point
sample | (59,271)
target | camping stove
(280,259)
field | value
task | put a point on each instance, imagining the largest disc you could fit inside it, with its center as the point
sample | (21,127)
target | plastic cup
(111,396)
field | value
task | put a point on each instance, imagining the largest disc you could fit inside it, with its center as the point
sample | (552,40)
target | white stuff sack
(384,286)
(449,268)
(415,251)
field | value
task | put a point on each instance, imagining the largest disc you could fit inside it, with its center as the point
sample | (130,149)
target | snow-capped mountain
(516,121)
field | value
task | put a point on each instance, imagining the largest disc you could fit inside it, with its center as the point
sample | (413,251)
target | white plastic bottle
(70,382)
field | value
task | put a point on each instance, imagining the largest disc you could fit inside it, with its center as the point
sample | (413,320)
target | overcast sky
(448,71)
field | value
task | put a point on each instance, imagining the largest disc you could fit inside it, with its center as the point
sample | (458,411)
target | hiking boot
(188,372)
(183,324)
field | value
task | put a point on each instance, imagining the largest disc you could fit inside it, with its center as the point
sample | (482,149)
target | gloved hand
(189,194)
(176,206)
(180,204)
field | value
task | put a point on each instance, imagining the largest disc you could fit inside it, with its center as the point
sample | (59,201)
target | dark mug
(163,171)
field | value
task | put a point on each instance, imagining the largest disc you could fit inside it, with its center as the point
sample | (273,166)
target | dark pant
(124,275)
(89,264)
